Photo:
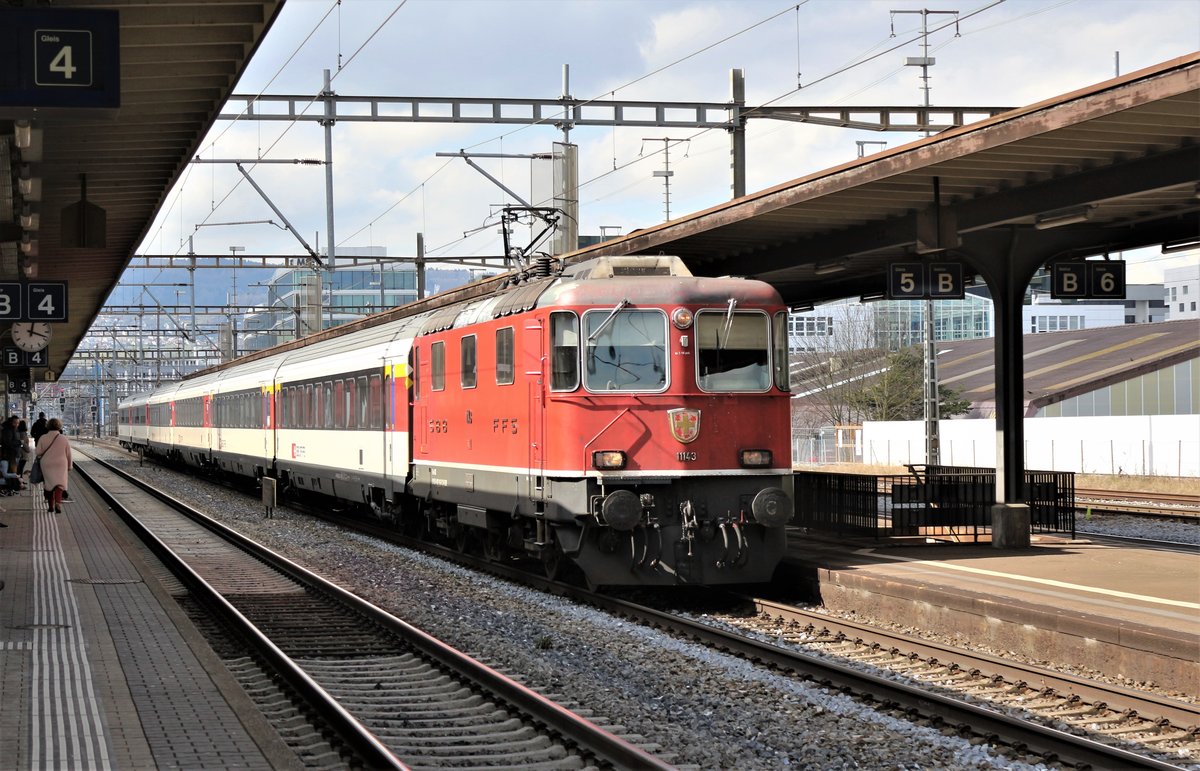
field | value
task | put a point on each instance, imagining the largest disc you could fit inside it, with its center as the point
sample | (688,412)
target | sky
(389,183)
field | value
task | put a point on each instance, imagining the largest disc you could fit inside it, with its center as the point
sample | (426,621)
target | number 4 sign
(46,301)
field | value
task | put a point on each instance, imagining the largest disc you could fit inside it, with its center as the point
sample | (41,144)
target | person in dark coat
(38,428)
(10,442)
(26,447)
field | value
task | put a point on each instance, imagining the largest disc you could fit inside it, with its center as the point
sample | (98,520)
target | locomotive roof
(640,279)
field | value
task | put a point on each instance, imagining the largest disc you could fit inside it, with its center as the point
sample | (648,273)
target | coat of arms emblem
(685,424)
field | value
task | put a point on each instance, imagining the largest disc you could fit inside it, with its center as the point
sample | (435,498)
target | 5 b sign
(1089,280)
(34,301)
(918,281)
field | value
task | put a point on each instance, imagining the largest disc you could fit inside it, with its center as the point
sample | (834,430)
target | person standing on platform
(39,427)
(54,450)
(26,449)
(10,442)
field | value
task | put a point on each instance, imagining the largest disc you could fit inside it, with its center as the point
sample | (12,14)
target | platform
(1127,611)
(99,667)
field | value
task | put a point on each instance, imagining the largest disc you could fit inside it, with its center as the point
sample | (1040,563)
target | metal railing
(930,501)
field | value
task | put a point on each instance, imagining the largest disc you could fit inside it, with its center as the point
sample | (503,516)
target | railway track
(1175,506)
(1038,719)
(380,693)
(928,703)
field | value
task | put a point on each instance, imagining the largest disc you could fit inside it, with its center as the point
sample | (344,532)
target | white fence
(1149,445)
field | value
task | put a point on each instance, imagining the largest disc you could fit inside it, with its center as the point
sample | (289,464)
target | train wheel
(494,546)
(554,562)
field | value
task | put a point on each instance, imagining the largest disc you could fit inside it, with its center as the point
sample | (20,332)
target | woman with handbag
(53,453)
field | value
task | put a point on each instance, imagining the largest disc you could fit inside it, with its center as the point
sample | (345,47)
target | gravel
(704,708)
(1128,526)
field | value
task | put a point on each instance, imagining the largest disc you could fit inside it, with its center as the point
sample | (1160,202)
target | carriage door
(533,366)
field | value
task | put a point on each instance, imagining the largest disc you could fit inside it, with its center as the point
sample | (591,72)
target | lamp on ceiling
(23,134)
(825,267)
(24,179)
(29,218)
(28,244)
(1182,245)
(1065,217)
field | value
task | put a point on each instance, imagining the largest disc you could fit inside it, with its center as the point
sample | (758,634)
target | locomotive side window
(564,346)
(437,364)
(733,350)
(504,356)
(416,373)
(779,335)
(626,350)
(467,352)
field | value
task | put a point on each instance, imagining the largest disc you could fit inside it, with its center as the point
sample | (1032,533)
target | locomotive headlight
(608,459)
(681,318)
(755,458)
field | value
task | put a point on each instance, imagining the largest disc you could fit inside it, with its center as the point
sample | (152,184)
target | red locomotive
(620,414)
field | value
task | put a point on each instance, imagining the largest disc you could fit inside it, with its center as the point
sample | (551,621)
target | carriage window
(467,348)
(779,335)
(625,350)
(733,351)
(564,351)
(375,416)
(437,355)
(364,401)
(504,356)
(339,404)
(351,403)
(327,421)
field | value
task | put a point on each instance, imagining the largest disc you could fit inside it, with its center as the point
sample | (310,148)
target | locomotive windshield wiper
(728,322)
(607,320)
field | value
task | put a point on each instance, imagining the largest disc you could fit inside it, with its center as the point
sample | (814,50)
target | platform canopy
(1123,153)
(178,63)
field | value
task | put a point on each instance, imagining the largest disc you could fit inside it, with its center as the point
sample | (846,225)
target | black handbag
(35,471)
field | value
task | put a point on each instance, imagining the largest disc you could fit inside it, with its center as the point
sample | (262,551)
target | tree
(898,392)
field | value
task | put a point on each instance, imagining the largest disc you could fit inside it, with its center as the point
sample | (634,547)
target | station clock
(31,335)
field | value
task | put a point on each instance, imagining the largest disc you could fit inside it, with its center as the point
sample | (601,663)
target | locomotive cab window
(779,335)
(625,350)
(733,350)
(564,347)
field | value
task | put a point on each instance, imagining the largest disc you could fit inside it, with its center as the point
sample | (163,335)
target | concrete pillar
(1010,526)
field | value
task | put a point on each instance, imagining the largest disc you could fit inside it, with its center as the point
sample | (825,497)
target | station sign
(1094,280)
(33,301)
(67,57)
(12,357)
(46,301)
(20,381)
(925,281)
